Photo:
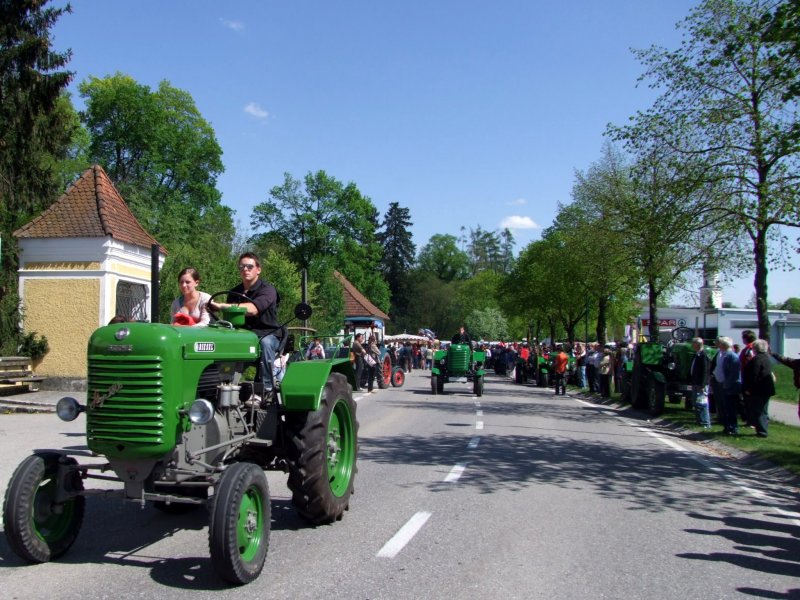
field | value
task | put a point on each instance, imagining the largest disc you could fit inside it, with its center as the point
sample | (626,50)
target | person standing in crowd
(261,304)
(698,377)
(192,302)
(758,387)
(794,365)
(373,369)
(358,353)
(727,383)
(589,360)
(747,353)
(580,364)
(560,360)
(604,368)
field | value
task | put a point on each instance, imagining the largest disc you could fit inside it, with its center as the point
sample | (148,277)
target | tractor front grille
(125,401)
(458,358)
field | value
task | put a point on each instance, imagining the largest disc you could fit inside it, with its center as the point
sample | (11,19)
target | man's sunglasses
(249,267)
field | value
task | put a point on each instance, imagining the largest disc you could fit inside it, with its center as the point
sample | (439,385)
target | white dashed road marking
(400,539)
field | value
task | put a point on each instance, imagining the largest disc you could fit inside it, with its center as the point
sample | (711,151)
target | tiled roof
(91,207)
(355,303)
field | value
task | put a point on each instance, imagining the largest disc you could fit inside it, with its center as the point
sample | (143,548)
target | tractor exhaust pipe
(154,289)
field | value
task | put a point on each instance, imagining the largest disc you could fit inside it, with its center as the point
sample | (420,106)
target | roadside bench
(17,370)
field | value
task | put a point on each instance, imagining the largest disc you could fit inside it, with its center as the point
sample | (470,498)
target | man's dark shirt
(265,298)
(460,338)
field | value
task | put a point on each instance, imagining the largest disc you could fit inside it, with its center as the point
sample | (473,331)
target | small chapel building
(82,261)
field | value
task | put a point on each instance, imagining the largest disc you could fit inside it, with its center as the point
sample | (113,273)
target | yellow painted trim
(61,266)
(129,271)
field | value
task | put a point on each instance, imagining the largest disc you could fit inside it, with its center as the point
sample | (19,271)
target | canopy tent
(406,337)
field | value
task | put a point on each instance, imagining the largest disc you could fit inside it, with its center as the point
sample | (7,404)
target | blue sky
(468,113)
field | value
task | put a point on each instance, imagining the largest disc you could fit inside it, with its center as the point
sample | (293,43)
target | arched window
(132,301)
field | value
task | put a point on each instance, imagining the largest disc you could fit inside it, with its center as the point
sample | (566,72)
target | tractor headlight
(68,409)
(671,366)
(201,412)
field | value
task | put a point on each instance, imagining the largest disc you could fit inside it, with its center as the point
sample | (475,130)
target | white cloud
(235,25)
(255,110)
(517,202)
(517,222)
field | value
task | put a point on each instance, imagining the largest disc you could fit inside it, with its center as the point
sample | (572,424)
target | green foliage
(398,254)
(488,324)
(792,305)
(488,250)
(323,224)
(33,346)
(728,112)
(442,258)
(434,306)
(36,127)
(163,157)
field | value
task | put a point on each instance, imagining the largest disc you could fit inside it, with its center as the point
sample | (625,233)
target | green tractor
(658,373)
(170,418)
(458,362)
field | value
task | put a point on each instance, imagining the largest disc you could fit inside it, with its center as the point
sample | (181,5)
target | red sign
(662,322)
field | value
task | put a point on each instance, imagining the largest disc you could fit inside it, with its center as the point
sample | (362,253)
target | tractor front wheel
(38,528)
(238,535)
(477,386)
(655,397)
(398,377)
(322,452)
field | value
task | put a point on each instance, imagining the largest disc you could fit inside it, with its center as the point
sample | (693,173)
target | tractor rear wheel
(322,452)
(37,528)
(477,386)
(238,534)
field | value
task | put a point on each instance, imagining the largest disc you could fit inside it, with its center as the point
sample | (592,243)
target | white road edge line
(399,540)
(692,453)
(455,473)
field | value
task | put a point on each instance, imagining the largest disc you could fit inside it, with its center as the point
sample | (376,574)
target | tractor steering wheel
(213,311)
(682,334)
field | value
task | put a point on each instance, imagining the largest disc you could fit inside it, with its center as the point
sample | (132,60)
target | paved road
(518,494)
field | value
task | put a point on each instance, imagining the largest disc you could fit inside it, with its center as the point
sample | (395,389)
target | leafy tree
(164,159)
(487,324)
(442,257)
(792,305)
(37,123)
(434,306)
(162,155)
(324,225)
(727,98)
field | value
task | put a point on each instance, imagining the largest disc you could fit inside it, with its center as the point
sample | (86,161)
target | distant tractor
(657,372)
(458,362)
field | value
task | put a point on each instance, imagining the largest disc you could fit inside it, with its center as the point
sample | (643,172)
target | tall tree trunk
(652,298)
(602,307)
(760,284)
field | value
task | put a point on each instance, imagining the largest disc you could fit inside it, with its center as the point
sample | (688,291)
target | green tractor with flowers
(171,418)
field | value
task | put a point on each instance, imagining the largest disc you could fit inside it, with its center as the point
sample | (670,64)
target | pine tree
(36,128)
(398,252)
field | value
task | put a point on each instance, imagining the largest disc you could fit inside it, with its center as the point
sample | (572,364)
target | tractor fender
(302,386)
